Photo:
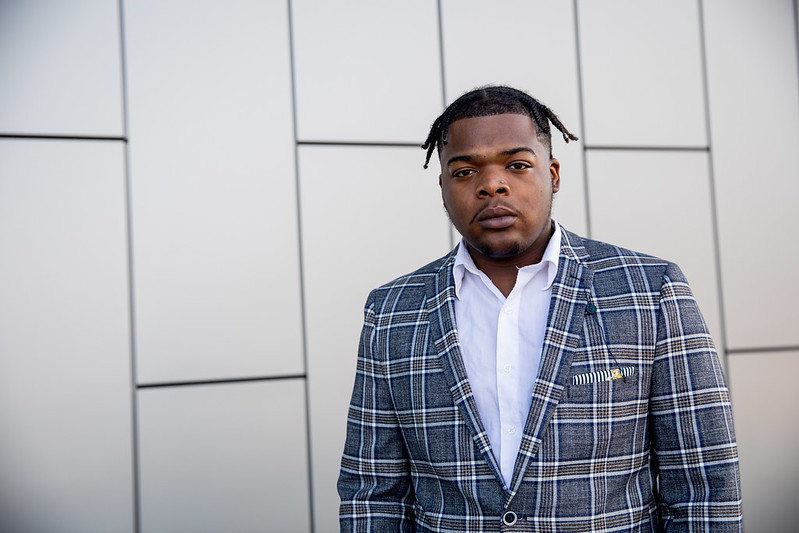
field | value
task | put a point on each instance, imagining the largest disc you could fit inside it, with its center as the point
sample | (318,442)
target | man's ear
(439,180)
(554,171)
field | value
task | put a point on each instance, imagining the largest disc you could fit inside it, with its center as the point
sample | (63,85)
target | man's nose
(493,184)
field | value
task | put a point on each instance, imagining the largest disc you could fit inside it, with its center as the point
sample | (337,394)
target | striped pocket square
(603,375)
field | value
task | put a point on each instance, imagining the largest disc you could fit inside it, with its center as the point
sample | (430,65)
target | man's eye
(519,166)
(462,173)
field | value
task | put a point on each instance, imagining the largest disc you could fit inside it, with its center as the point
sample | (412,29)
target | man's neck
(503,271)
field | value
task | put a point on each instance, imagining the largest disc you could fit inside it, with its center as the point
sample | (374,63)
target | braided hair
(494,100)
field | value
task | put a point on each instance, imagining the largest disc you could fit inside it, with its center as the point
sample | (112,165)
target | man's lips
(498,217)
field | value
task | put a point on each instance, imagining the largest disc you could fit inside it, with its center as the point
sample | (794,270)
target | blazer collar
(441,313)
(570,292)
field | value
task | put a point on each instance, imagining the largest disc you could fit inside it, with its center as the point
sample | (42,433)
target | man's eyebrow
(517,150)
(466,157)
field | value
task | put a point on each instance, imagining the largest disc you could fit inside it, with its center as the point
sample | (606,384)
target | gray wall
(196,197)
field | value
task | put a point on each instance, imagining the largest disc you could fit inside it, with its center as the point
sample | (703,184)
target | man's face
(497,182)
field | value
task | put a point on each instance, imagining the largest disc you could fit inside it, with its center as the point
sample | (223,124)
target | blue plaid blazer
(630,427)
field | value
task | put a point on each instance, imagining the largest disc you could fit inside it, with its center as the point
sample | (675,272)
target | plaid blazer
(630,427)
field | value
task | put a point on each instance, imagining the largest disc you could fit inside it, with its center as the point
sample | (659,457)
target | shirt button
(509,518)
(506,368)
(508,309)
(511,430)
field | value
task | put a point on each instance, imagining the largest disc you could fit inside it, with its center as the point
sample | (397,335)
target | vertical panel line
(441,56)
(712,183)
(131,281)
(581,104)
(304,322)
(443,90)
(796,32)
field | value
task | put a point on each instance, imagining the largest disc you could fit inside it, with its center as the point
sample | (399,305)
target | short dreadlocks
(494,100)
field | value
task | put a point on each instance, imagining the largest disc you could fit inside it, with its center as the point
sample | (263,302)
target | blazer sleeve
(693,439)
(374,482)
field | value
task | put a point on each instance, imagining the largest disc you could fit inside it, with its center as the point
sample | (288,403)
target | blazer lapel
(441,313)
(570,292)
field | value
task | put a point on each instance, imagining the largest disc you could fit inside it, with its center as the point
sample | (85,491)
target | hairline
(543,138)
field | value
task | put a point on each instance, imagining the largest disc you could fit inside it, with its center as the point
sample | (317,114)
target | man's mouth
(498,217)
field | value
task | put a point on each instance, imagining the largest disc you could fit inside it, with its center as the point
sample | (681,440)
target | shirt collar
(464,262)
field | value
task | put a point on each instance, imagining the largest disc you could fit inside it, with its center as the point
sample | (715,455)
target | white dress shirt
(501,341)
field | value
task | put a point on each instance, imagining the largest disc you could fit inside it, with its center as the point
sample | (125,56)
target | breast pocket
(612,374)
(616,383)
(601,419)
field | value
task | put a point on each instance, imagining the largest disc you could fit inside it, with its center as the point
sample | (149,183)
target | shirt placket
(507,386)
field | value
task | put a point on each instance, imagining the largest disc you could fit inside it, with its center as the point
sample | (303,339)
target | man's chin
(499,252)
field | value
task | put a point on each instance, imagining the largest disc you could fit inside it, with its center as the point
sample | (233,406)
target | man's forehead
(492,133)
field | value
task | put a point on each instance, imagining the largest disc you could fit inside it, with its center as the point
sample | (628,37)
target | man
(533,380)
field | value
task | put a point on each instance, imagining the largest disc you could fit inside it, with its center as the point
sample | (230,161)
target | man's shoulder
(421,275)
(600,254)
(621,265)
(413,285)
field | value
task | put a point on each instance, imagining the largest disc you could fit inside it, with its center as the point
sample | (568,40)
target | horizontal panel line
(63,137)
(356,143)
(651,148)
(733,351)
(216,381)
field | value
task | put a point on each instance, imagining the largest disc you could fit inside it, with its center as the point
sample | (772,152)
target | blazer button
(509,518)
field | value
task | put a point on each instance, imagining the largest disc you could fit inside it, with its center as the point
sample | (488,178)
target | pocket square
(603,375)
